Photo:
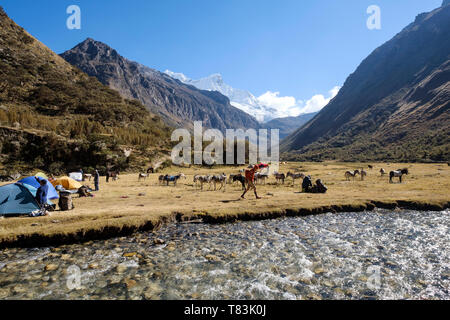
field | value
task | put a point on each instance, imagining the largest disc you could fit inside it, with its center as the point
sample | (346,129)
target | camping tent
(67,183)
(33,191)
(77,176)
(52,193)
(42,175)
(17,199)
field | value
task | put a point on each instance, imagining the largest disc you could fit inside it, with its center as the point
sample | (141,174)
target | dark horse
(112,174)
(398,173)
(150,170)
(241,179)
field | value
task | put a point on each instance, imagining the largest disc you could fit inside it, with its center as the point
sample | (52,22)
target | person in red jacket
(250,179)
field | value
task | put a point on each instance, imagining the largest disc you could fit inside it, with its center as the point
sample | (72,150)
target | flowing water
(370,255)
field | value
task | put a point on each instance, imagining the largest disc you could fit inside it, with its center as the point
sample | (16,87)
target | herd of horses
(392,174)
(221,180)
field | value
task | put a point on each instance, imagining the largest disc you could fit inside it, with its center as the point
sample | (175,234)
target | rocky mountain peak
(179,104)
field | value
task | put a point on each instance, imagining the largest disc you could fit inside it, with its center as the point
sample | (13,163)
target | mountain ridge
(288,125)
(178,103)
(241,99)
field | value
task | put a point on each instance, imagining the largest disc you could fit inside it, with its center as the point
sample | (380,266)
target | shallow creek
(370,255)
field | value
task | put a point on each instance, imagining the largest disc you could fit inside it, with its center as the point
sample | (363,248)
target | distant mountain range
(241,99)
(395,106)
(178,103)
(289,124)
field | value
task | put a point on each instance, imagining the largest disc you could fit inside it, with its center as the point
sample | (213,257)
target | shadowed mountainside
(52,113)
(394,106)
(289,124)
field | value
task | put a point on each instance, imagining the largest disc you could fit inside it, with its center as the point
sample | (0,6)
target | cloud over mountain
(264,108)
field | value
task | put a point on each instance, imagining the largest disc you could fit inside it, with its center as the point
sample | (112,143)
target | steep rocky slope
(178,103)
(75,120)
(394,106)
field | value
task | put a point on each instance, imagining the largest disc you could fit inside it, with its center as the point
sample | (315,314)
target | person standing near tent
(96,180)
(82,174)
(250,179)
(42,193)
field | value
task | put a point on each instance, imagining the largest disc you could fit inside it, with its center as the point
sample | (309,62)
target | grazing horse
(398,174)
(222,179)
(150,170)
(295,176)
(241,179)
(280,177)
(173,179)
(112,174)
(363,174)
(370,166)
(382,172)
(261,177)
(161,179)
(352,174)
(142,176)
(198,179)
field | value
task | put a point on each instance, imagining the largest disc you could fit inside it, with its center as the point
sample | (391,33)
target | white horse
(351,174)
(261,177)
(382,172)
(142,176)
(222,179)
(201,180)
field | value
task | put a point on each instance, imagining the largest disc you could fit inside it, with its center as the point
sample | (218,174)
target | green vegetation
(53,113)
(429,147)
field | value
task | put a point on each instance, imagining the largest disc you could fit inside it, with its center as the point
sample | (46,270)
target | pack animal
(397,174)
(351,174)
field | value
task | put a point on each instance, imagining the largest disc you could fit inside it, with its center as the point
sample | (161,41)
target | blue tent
(17,199)
(33,191)
(31,181)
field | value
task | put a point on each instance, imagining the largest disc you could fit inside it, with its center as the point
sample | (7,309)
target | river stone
(157,275)
(20,289)
(313,296)
(130,283)
(158,241)
(51,267)
(319,271)
(121,268)
(129,254)
(212,258)
(4,293)
(328,284)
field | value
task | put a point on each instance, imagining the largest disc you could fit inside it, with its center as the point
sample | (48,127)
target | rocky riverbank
(42,240)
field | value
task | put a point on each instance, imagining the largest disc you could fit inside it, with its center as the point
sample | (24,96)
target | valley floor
(127,205)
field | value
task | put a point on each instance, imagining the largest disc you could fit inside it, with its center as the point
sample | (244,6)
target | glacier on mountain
(240,99)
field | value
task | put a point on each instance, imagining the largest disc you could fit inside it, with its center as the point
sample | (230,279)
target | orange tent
(67,183)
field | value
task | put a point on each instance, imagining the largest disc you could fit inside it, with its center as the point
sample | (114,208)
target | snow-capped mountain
(241,99)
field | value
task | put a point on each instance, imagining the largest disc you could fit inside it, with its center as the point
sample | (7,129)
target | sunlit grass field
(129,202)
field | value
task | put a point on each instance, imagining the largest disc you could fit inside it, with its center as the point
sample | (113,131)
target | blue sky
(298,48)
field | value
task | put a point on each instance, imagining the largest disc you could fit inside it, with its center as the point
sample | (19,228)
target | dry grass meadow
(130,203)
